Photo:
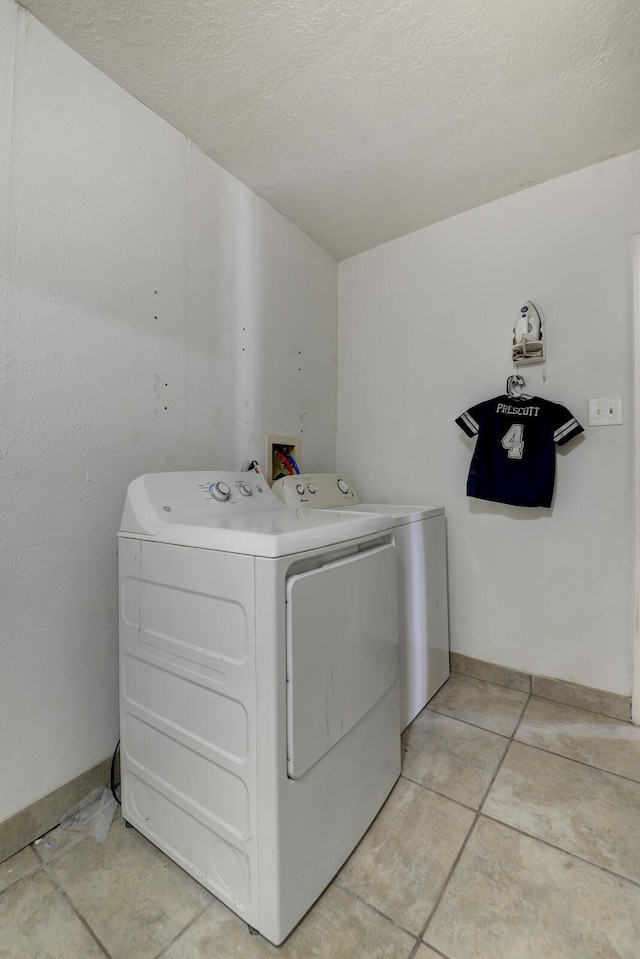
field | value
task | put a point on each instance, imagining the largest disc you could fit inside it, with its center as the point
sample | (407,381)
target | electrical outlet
(606,411)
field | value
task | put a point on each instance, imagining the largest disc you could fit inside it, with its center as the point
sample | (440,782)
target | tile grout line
(55,854)
(593,712)
(445,884)
(457,802)
(40,863)
(473,824)
(434,792)
(580,762)
(16,882)
(195,919)
(567,852)
(538,695)
(416,949)
(76,911)
(419,942)
(493,682)
(480,814)
(457,719)
(512,737)
(546,842)
(545,749)
(370,905)
(473,725)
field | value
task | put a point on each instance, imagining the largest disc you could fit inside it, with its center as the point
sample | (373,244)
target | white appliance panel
(187,713)
(341,658)
(423,658)
(316,818)
(420,539)
(316,490)
(203,669)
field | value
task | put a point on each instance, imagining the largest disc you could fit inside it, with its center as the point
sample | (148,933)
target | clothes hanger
(515,385)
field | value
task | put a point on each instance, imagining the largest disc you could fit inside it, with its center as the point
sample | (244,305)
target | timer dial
(220,491)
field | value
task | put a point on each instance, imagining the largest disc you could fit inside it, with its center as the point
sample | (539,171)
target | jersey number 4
(513,441)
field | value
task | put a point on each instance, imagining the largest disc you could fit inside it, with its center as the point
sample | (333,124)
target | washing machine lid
(336,491)
(234,512)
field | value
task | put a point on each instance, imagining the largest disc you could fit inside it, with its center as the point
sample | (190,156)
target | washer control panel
(318,490)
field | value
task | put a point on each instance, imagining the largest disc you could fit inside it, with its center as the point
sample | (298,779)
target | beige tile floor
(513,833)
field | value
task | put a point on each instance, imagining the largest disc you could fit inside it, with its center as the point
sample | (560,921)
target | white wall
(425,332)
(154,315)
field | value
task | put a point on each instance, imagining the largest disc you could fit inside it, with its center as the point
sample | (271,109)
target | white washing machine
(258,685)
(423,664)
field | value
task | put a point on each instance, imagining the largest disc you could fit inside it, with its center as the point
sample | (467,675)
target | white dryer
(258,685)
(423,664)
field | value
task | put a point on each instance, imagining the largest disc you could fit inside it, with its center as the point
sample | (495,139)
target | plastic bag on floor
(93,815)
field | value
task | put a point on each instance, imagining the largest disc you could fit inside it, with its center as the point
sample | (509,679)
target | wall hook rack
(528,337)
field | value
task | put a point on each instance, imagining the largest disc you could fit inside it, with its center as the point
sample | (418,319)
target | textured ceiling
(361,120)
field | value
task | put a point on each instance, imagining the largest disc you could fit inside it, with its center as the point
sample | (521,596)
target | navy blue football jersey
(514,460)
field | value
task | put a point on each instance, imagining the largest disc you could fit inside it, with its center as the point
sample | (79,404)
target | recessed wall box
(278,453)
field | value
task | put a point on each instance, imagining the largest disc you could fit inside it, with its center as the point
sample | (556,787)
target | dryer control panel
(157,499)
(316,490)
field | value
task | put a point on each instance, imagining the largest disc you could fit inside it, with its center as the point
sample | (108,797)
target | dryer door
(342,648)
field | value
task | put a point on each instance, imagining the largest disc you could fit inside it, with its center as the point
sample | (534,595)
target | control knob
(245,489)
(343,486)
(311,488)
(299,489)
(220,491)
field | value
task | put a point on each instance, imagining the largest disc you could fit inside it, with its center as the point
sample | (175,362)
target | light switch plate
(606,411)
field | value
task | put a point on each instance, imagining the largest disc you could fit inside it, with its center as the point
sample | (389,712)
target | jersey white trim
(563,431)
(470,424)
